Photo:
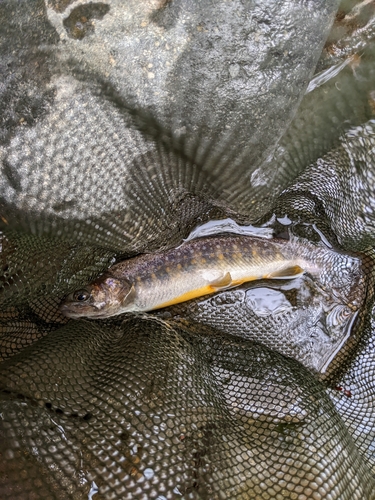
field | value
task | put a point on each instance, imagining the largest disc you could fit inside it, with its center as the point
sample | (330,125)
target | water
(309,318)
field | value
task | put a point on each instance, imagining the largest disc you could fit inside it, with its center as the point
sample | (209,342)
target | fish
(197,268)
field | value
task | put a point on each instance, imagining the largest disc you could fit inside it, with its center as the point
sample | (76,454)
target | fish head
(102,298)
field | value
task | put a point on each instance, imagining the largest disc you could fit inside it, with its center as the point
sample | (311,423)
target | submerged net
(123,126)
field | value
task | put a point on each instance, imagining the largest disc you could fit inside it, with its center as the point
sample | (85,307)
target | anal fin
(285,273)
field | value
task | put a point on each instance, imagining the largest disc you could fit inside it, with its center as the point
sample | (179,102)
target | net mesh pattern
(115,411)
(123,127)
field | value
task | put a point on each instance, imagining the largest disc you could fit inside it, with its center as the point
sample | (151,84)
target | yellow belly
(227,282)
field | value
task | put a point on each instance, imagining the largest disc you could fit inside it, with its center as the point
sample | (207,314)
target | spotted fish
(198,267)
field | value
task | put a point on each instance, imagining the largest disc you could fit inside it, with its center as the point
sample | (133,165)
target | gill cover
(104,296)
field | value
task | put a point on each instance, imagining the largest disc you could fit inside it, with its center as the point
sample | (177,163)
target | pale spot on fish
(179,266)
(220,256)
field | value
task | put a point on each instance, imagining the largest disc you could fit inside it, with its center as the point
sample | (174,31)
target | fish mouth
(90,311)
(78,310)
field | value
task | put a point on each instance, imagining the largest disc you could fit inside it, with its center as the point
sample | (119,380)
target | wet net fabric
(123,126)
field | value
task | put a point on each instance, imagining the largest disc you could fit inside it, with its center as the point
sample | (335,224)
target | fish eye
(81,295)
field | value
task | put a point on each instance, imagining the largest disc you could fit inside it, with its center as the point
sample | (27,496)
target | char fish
(198,267)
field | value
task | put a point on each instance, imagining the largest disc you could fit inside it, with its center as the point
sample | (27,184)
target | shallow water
(309,318)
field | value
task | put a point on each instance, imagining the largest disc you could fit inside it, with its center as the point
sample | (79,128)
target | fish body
(196,268)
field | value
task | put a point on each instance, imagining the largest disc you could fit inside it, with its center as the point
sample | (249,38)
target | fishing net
(124,126)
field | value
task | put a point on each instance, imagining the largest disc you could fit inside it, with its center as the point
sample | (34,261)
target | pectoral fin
(222,282)
(128,295)
(285,273)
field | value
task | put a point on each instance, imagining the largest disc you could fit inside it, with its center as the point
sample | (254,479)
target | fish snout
(107,296)
(74,310)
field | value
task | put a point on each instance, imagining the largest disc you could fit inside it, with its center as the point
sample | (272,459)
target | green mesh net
(124,126)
